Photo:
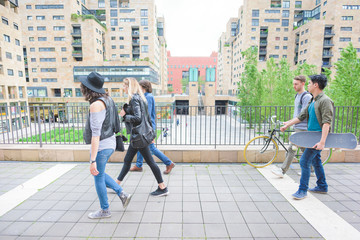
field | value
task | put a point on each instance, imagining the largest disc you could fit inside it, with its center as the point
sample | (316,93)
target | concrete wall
(186,154)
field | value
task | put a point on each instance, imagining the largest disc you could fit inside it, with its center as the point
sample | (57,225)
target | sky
(193,27)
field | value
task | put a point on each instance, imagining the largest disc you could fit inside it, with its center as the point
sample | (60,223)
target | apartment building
(13,99)
(64,40)
(178,69)
(312,31)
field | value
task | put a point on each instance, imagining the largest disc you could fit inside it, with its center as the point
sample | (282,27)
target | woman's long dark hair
(90,95)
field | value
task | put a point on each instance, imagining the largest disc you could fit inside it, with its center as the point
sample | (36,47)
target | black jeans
(131,152)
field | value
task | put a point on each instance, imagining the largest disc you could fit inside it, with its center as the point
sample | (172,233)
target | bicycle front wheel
(261,151)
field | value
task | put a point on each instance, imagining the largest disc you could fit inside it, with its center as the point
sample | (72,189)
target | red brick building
(178,68)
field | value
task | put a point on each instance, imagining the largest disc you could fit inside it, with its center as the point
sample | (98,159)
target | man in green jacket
(319,114)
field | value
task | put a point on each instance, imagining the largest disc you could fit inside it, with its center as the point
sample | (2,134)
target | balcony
(296,49)
(135,43)
(263,33)
(326,65)
(327,54)
(135,34)
(298,16)
(328,44)
(136,51)
(76,43)
(76,33)
(263,43)
(329,34)
(77,54)
(262,52)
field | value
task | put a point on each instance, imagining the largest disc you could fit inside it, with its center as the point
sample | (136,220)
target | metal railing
(176,125)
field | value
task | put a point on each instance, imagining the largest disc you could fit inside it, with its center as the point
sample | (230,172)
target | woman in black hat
(103,121)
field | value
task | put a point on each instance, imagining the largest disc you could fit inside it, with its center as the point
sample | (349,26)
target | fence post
(39,123)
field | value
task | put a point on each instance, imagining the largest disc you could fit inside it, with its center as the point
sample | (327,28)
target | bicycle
(269,148)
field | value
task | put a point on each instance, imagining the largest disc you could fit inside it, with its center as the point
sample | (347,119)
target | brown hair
(146,84)
(300,78)
(90,95)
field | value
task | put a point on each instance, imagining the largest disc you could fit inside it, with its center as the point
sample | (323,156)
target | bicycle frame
(271,136)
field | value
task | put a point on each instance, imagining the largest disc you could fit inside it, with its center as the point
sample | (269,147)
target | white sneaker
(312,174)
(278,172)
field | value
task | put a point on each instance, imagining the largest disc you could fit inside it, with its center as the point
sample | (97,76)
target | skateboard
(333,140)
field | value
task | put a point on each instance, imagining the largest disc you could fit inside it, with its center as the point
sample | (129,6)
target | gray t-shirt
(96,121)
(299,106)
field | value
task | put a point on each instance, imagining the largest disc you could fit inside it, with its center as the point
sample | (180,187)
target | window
(143,12)
(285,38)
(277,38)
(64,59)
(272,11)
(305,51)
(253,29)
(345,39)
(113,3)
(302,33)
(5,20)
(255,22)
(113,46)
(17,42)
(124,55)
(113,38)
(51,6)
(6,38)
(30,28)
(286,29)
(59,28)
(285,47)
(59,38)
(32,49)
(324,13)
(306,41)
(274,56)
(144,22)
(113,56)
(10,72)
(127,19)
(20,73)
(34,70)
(41,28)
(113,13)
(277,47)
(42,39)
(121,38)
(278,29)
(8,55)
(307,30)
(113,29)
(113,22)
(16,26)
(302,42)
(255,13)
(49,80)
(347,18)
(285,13)
(40,17)
(121,46)
(298,4)
(47,59)
(121,29)
(48,70)
(29,17)
(28,6)
(58,17)
(146,38)
(63,49)
(271,20)
(78,92)
(346,29)
(285,23)
(286,4)
(145,28)
(101,3)
(145,48)
(18,57)
(317,2)
(33,59)
(35,79)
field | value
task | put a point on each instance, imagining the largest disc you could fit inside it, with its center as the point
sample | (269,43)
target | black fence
(176,125)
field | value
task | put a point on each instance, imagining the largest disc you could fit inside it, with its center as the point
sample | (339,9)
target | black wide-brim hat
(94,81)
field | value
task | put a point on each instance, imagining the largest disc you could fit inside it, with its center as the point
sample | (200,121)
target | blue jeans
(103,180)
(156,152)
(312,156)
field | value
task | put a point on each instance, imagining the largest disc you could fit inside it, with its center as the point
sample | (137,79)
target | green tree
(170,89)
(250,87)
(283,90)
(345,88)
(201,83)
(269,76)
(184,84)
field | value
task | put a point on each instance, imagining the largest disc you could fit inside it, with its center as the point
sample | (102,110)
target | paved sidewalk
(206,201)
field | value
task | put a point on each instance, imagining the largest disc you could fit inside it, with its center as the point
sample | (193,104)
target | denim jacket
(324,108)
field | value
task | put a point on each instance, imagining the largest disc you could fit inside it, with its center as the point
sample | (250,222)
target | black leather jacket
(133,113)
(111,122)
